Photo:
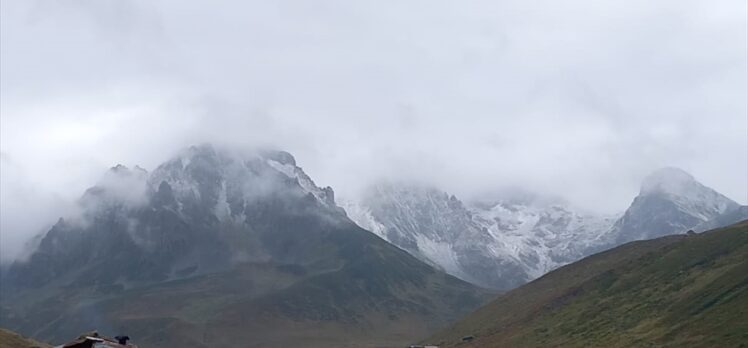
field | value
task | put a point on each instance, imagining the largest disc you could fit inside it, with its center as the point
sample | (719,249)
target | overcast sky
(573,98)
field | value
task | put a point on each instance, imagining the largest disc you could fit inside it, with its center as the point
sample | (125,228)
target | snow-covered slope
(438,229)
(499,244)
(543,236)
(228,180)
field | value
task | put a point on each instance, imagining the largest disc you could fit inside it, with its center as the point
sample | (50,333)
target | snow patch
(222,209)
(363,218)
(441,254)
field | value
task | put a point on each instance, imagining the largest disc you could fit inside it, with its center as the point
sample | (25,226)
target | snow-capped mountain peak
(670,201)
(205,178)
(690,195)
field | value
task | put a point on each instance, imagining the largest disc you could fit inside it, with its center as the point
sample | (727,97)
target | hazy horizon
(577,100)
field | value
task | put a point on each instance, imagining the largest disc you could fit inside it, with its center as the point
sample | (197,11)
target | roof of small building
(90,339)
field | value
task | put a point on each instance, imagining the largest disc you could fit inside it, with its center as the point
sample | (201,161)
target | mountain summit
(669,180)
(218,246)
(670,201)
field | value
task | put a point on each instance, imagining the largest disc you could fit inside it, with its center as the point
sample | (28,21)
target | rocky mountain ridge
(503,243)
(218,246)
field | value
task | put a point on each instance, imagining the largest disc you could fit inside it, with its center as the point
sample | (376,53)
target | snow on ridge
(287,169)
(306,183)
(691,197)
(682,188)
(439,228)
(544,232)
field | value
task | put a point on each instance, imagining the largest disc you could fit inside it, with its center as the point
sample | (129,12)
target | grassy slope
(382,297)
(389,305)
(676,291)
(10,339)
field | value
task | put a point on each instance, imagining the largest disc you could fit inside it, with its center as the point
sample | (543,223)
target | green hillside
(10,339)
(676,291)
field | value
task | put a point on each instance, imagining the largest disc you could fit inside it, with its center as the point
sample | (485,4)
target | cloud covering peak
(575,99)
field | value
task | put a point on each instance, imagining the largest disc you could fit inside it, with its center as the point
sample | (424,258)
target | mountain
(10,339)
(499,244)
(670,201)
(218,247)
(674,291)
(506,241)
(438,229)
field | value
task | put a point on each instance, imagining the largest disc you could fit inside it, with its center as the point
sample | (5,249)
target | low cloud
(26,212)
(576,99)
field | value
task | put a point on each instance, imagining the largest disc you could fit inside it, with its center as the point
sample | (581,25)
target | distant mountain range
(505,242)
(216,248)
(675,291)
